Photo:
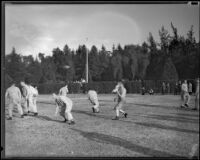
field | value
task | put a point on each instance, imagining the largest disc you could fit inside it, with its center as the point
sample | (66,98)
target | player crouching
(64,105)
(121,94)
(92,96)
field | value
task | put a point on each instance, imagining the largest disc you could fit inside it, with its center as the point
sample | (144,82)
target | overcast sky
(40,28)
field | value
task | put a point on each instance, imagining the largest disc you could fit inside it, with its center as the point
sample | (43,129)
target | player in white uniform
(197,95)
(121,94)
(63,91)
(24,100)
(32,92)
(13,98)
(92,96)
(64,105)
(185,97)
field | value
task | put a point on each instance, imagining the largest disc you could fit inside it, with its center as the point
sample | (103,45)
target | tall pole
(86,73)
(86,65)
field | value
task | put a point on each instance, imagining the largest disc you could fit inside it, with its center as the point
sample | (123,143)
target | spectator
(179,87)
(176,89)
(143,90)
(163,88)
(151,92)
(190,88)
(185,97)
(197,96)
(168,88)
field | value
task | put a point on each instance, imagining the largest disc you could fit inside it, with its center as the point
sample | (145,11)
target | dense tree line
(174,57)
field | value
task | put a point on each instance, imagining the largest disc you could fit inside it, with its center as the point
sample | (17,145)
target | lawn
(155,126)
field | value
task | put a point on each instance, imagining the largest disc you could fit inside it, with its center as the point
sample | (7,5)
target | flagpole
(86,63)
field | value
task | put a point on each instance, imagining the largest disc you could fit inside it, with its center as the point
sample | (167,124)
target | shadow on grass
(46,118)
(99,115)
(152,125)
(173,118)
(150,105)
(159,126)
(188,115)
(108,139)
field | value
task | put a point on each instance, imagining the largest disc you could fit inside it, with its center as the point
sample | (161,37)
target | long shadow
(97,115)
(150,105)
(189,115)
(108,139)
(46,118)
(172,118)
(159,126)
(152,125)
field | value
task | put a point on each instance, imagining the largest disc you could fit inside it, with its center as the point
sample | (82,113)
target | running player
(121,94)
(92,96)
(64,105)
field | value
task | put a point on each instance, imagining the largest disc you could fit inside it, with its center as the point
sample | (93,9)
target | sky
(34,28)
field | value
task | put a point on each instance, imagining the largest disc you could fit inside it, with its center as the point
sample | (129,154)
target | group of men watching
(25,99)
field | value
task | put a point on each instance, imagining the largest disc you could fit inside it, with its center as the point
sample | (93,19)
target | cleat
(71,123)
(93,110)
(116,118)
(182,106)
(125,115)
(194,109)
(65,120)
(186,105)
(25,114)
(35,114)
(10,118)
(22,116)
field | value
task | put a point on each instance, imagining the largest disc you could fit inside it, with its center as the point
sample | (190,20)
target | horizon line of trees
(174,57)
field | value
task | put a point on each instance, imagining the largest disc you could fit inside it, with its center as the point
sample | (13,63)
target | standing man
(185,97)
(197,96)
(24,100)
(179,87)
(190,88)
(176,89)
(63,91)
(168,88)
(35,95)
(163,88)
(121,94)
(13,98)
(92,96)
(64,106)
(31,105)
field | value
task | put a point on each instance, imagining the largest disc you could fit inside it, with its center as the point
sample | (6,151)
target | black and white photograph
(100,79)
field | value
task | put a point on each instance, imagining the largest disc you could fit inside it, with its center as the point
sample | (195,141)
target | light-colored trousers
(185,98)
(95,102)
(11,106)
(32,106)
(66,110)
(118,107)
(24,105)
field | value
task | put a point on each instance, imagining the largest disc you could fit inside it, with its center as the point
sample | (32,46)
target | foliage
(174,57)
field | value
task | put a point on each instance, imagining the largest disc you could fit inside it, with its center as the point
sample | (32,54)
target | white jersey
(65,100)
(184,87)
(13,94)
(63,91)
(92,95)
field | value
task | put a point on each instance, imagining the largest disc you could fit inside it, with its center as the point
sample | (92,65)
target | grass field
(155,126)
